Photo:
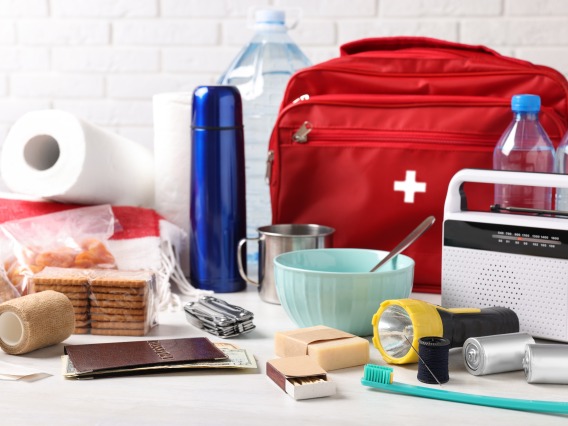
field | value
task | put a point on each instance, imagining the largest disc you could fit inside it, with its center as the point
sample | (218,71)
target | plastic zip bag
(75,238)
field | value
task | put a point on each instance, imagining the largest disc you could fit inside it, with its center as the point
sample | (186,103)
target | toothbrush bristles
(378,373)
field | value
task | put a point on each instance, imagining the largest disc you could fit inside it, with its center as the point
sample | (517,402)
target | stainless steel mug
(277,239)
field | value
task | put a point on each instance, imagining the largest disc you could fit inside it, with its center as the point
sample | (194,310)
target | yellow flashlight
(400,323)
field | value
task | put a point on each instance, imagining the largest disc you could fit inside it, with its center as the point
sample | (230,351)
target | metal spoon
(413,236)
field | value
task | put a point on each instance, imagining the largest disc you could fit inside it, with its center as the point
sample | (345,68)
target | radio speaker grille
(535,288)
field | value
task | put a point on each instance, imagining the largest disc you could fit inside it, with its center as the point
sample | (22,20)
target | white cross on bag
(409,186)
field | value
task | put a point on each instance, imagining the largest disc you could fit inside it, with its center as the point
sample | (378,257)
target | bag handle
(398,43)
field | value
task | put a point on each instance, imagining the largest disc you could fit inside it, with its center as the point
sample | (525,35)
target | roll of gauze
(172,151)
(35,321)
(56,155)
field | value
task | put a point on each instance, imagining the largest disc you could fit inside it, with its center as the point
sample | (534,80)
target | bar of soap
(330,348)
(342,353)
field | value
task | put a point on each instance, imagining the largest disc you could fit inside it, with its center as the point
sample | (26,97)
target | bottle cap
(270,16)
(525,103)
(217,107)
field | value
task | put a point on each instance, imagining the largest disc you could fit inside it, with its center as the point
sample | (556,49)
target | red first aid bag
(368,142)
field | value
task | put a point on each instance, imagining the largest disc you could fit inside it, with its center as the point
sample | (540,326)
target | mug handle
(240,247)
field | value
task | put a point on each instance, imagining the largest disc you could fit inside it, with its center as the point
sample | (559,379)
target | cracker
(124,291)
(117,317)
(80,303)
(129,279)
(61,276)
(82,317)
(37,279)
(62,287)
(82,324)
(81,330)
(117,332)
(117,311)
(75,296)
(117,304)
(120,297)
(113,283)
(80,310)
(122,325)
(70,295)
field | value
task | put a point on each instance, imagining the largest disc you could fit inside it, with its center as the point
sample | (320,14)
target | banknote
(238,358)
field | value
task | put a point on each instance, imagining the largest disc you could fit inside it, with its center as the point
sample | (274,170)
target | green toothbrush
(381,377)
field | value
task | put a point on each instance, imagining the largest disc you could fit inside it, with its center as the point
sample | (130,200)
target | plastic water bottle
(562,167)
(261,72)
(524,147)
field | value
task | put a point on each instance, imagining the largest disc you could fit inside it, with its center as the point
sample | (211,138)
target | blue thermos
(217,198)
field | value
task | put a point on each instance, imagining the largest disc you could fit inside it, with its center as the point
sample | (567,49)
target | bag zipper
(551,73)
(269,161)
(300,136)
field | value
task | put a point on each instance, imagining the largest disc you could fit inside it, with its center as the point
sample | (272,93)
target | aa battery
(495,354)
(546,363)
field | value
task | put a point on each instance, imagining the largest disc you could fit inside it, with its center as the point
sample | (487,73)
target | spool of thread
(35,321)
(434,354)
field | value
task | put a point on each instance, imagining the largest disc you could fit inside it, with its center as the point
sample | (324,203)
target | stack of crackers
(119,304)
(75,285)
(106,302)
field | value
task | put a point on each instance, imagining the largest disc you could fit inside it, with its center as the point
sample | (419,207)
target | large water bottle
(562,167)
(524,147)
(261,71)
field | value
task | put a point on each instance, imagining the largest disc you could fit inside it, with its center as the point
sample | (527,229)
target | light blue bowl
(334,287)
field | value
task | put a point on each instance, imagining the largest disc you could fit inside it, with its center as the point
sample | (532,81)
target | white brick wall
(440,8)
(104,59)
(104,8)
(7,31)
(18,58)
(62,32)
(23,8)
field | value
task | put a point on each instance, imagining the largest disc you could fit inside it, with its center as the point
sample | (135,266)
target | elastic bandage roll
(35,321)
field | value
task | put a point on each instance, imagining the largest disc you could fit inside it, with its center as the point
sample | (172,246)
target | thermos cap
(525,103)
(216,107)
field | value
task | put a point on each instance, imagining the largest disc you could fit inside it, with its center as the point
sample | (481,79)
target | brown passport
(109,357)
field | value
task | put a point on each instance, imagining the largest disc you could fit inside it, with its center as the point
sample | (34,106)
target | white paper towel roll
(56,155)
(172,154)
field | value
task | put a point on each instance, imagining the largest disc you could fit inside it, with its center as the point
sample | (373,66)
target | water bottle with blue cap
(562,167)
(261,72)
(524,147)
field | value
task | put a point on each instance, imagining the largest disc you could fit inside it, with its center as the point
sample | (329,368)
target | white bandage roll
(56,155)
(172,156)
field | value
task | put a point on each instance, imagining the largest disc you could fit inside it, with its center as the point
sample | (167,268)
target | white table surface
(235,397)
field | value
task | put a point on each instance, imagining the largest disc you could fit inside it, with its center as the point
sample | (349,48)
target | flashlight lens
(394,325)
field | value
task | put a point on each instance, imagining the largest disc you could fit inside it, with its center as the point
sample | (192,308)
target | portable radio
(518,261)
